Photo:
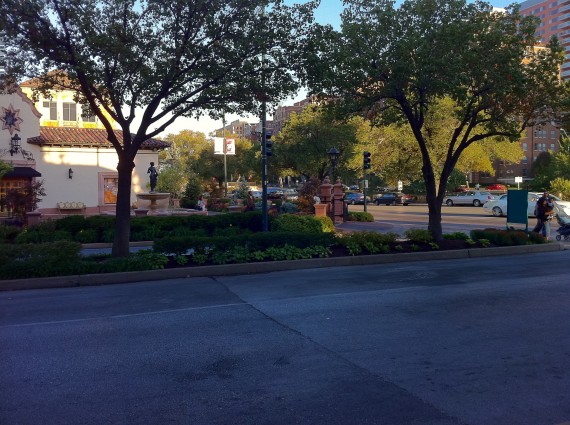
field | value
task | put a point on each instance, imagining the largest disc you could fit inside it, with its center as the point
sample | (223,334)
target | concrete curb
(251,268)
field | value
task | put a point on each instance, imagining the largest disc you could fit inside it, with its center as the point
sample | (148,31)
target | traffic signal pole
(265,218)
(365,166)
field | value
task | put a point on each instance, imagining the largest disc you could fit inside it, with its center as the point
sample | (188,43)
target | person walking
(202,204)
(544,211)
(249,202)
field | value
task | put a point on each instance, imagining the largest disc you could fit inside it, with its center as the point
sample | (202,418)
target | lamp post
(333,154)
(15,144)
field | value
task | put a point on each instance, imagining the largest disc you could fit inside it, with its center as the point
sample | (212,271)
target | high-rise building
(554,20)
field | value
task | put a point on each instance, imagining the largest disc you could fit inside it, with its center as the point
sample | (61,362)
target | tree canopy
(156,59)
(302,145)
(393,65)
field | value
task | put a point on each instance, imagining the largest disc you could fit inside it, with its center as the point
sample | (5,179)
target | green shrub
(39,259)
(327,225)
(288,208)
(8,234)
(86,236)
(360,216)
(507,237)
(418,235)
(42,233)
(369,242)
(456,236)
(180,245)
(301,224)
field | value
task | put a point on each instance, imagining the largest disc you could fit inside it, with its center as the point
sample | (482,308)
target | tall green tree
(192,153)
(302,146)
(397,155)
(156,59)
(395,64)
(175,161)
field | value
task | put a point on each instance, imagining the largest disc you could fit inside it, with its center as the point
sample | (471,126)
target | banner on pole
(229,145)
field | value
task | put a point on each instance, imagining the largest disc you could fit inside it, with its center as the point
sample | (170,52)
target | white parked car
(560,207)
(499,207)
(471,197)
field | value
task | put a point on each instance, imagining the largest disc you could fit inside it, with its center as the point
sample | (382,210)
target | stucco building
(71,155)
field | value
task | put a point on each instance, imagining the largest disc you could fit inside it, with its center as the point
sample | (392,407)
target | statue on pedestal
(153,176)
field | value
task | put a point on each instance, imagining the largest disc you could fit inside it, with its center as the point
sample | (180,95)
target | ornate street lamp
(333,154)
(15,144)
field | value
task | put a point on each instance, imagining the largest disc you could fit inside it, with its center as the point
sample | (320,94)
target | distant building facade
(554,20)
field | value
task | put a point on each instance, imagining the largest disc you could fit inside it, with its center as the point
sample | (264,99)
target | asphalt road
(478,342)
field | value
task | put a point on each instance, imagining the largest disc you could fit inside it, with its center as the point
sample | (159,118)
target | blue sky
(329,10)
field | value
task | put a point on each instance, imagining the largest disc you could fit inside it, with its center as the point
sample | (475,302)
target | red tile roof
(71,136)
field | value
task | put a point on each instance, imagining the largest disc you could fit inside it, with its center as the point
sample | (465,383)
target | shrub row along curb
(266,267)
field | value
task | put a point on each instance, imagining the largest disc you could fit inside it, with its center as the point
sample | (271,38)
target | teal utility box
(517,211)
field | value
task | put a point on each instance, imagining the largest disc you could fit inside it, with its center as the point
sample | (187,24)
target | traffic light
(268,144)
(366,160)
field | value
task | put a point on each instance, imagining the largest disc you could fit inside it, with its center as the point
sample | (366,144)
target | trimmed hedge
(507,237)
(180,245)
(360,216)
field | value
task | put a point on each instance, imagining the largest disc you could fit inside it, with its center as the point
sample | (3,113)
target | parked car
(354,198)
(560,207)
(394,198)
(471,197)
(354,187)
(499,207)
(274,193)
(290,194)
(460,189)
(497,186)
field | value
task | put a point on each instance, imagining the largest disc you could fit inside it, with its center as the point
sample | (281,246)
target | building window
(552,147)
(525,146)
(525,160)
(524,172)
(52,106)
(5,186)
(553,134)
(69,111)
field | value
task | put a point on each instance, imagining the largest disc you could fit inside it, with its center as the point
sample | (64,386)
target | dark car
(394,198)
(354,198)
(275,193)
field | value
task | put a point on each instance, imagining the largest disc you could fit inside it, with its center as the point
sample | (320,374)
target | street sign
(400,186)
(365,183)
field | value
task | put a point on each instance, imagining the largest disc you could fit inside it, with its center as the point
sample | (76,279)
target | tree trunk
(121,242)
(434,203)
(434,223)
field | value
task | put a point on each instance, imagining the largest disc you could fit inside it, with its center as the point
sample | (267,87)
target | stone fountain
(155,202)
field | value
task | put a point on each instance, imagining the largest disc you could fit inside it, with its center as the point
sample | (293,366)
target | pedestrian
(202,204)
(249,202)
(544,212)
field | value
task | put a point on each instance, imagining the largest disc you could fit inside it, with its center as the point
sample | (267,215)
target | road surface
(477,342)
